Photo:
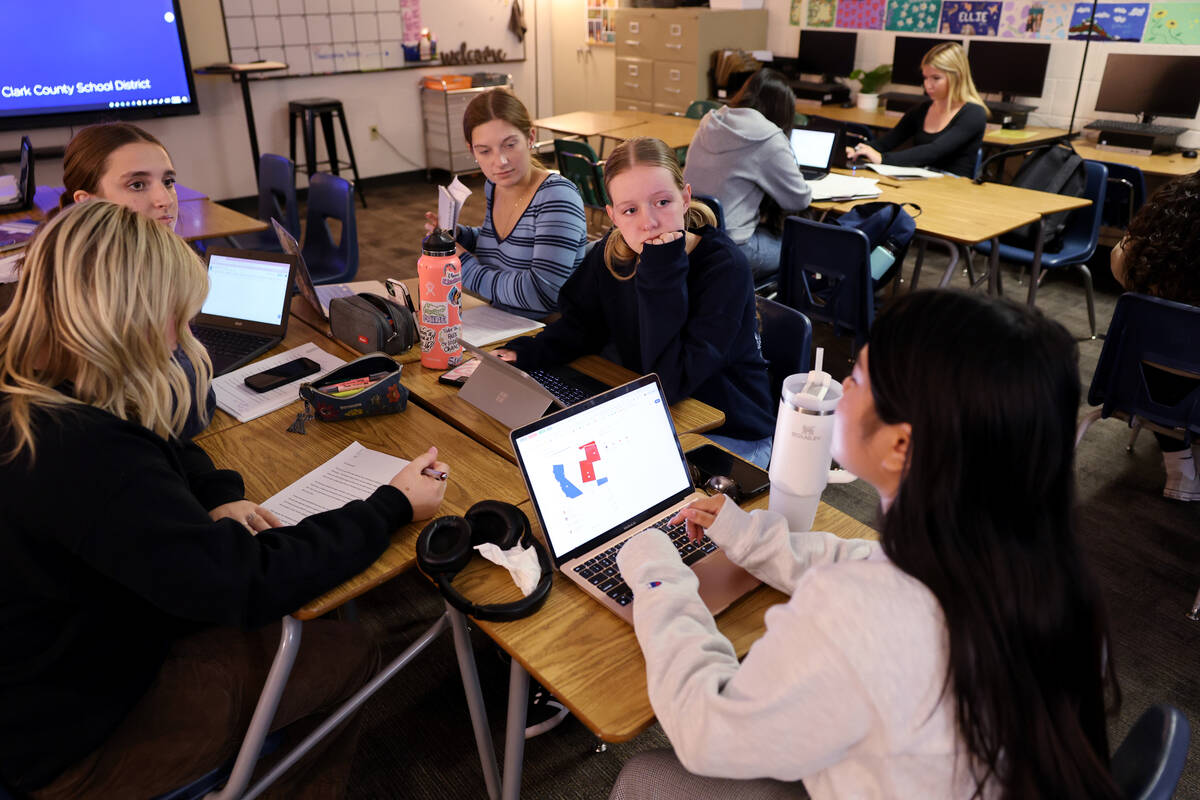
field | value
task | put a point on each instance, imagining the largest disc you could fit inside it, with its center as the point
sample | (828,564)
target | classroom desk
(962,213)
(995,136)
(675,131)
(587,657)
(592,123)
(199,217)
(1170,165)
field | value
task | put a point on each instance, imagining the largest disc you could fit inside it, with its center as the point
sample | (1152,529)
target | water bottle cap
(438,243)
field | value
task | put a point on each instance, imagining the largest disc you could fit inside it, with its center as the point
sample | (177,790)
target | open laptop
(515,397)
(605,470)
(317,296)
(814,149)
(246,311)
(16,194)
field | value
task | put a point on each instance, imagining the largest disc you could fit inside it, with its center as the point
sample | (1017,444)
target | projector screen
(70,62)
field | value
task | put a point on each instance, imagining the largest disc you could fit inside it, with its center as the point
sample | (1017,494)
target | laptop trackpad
(722,582)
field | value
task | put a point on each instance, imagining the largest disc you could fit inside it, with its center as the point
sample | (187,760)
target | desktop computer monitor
(827,53)
(1010,68)
(1150,85)
(906,58)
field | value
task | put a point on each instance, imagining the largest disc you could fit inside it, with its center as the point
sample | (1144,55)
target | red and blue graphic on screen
(587,472)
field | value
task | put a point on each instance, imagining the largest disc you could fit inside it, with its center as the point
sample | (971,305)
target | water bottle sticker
(428,337)
(454,296)
(434,313)
(448,338)
(451,275)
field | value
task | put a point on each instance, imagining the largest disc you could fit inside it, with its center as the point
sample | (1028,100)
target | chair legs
(1136,428)
(1194,614)
(1091,300)
(1086,423)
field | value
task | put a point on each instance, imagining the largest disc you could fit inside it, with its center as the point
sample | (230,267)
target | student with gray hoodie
(742,155)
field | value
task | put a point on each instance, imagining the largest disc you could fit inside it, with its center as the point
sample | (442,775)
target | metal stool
(324,107)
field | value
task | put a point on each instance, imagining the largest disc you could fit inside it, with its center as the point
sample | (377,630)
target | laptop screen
(602,466)
(813,149)
(247,288)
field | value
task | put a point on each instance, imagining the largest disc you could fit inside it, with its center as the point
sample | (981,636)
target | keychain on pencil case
(365,387)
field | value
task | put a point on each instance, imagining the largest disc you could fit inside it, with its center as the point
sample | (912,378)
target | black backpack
(1055,168)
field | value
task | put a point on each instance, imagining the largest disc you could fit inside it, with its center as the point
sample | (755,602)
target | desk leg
(995,287)
(245,81)
(952,252)
(470,681)
(1035,268)
(264,712)
(514,735)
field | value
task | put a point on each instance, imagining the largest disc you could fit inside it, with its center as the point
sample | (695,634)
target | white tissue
(521,563)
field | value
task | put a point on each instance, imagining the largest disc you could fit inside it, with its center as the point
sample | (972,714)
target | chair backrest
(277,192)
(825,272)
(330,197)
(578,163)
(714,204)
(1163,333)
(1082,230)
(699,108)
(785,336)
(1149,761)
(1126,193)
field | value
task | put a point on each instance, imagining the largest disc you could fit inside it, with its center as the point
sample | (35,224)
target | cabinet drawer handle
(633,42)
(675,46)
(632,85)
(670,89)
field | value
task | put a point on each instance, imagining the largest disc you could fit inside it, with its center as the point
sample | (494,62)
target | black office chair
(785,336)
(825,273)
(1149,761)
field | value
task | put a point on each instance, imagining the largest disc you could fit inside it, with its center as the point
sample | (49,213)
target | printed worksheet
(352,474)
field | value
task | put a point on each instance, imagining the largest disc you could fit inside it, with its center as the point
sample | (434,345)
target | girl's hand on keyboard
(699,515)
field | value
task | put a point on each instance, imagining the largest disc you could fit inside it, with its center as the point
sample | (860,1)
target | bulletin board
(323,37)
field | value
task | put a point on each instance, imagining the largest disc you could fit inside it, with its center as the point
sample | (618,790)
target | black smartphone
(711,460)
(275,377)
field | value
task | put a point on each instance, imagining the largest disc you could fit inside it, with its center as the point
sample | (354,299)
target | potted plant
(869,85)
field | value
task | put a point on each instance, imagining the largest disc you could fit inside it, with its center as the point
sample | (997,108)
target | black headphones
(447,544)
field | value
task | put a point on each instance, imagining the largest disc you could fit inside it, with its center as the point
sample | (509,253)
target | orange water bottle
(439,291)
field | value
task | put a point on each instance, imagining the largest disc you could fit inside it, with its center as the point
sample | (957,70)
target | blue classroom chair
(329,261)
(825,273)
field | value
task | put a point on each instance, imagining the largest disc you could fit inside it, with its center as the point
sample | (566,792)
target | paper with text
(451,199)
(834,186)
(484,325)
(236,398)
(352,474)
(903,172)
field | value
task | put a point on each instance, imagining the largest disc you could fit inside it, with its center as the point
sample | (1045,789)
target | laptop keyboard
(230,344)
(601,570)
(566,393)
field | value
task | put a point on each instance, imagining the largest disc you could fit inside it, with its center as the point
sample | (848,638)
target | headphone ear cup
(501,523)
(444,546)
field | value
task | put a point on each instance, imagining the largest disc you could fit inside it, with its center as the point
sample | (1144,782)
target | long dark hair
(984,517)
(1161,251)
(768,92)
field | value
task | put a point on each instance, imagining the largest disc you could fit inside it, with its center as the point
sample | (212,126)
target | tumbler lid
(438,243)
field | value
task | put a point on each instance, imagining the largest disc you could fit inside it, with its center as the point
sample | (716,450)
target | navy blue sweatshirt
(107,554)
(691,319)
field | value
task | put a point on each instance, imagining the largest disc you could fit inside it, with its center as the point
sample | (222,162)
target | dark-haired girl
(962,656)
(740,154)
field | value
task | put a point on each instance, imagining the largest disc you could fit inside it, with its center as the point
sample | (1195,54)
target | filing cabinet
(663,54)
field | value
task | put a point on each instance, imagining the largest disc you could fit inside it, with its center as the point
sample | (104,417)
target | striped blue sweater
(524,271)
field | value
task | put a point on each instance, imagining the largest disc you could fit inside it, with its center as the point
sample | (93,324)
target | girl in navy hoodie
(665,292)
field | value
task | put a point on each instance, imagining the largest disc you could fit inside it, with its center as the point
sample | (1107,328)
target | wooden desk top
(593,123)
(269,459)
(1169,164)
(199,217)
(675,131)
(994,137)
(588,658)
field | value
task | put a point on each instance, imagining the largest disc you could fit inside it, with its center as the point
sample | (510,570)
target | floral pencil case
(367,386)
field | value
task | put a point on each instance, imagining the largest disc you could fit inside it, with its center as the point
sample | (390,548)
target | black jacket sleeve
(905,129)
(211,486)
(582,327)
(965,129)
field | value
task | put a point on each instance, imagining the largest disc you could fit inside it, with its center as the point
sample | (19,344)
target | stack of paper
(843,187)
(352,474)
(236,398)
(483,325)
(903,172)
(451,199)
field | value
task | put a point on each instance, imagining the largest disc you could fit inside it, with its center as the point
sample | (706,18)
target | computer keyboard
(1134,127)
(601,570)
(566,393)
(218,341)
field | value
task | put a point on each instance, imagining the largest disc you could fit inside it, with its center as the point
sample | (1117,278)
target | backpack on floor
(1058,169)
(885,224)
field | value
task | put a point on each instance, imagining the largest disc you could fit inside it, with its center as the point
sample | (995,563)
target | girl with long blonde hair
(124,550)
(946,131)
(665,292)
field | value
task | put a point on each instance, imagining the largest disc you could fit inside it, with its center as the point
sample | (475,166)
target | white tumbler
(800,454)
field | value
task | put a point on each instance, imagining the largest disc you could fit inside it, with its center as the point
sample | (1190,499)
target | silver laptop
(605,470)
(246,311)
(317,296)
(814,151)
(515,397)
(16,194)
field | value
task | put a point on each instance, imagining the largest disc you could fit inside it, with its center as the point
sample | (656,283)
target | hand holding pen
(421,484)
